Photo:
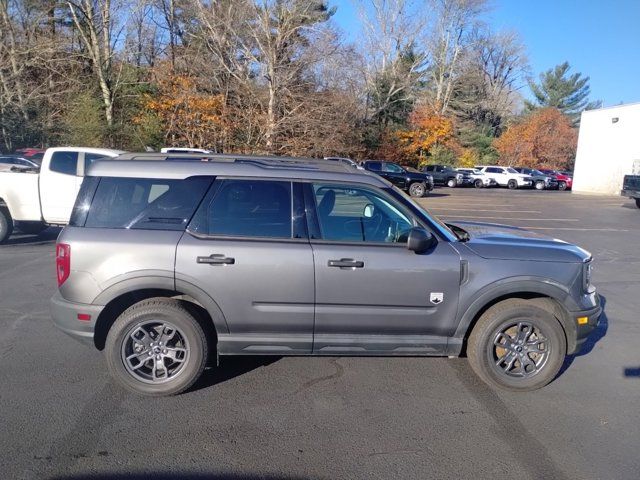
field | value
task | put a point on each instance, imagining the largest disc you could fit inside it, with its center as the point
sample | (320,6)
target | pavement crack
(315,381)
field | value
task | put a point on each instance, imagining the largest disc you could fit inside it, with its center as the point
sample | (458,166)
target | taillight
(63,262)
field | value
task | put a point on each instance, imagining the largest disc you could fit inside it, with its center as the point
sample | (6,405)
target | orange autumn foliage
(189,117)
(545,138)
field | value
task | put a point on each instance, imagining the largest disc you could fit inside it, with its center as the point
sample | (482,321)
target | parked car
(540,180)
(166,270)
(417,184)
(346,161)
(34,154)
(565,182)
(631,188)
(506,176)
(32,199)
(447,175)
(15,162)
(478,179)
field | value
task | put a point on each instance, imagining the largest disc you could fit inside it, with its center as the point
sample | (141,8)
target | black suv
(541,181)
(447,175)
(416,183)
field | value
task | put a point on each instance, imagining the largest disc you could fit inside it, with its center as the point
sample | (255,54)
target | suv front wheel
(156,347)
(517,345)
(417,189)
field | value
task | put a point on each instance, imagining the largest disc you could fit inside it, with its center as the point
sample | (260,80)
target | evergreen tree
(567,93)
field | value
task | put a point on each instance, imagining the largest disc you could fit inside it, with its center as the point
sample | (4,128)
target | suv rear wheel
(6,224)
(517,345)
(417,189)
(156,347)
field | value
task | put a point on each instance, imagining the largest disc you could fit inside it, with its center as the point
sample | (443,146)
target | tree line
(426,81)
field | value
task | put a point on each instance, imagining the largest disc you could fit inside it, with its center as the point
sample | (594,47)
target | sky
(599,38)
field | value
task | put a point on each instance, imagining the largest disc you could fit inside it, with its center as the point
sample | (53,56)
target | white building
(608,149)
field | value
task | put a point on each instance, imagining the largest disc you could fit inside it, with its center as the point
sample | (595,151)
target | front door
(59,187)
(373,295)
(244,250)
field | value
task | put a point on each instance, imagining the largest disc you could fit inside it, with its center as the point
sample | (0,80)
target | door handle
(216,259)
(346,263)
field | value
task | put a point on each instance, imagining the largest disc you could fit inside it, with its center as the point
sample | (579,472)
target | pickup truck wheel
(539,185)
(512,184)
(562,185)
(478,183)
(6,224)
(638,202)
(32,228)
(417,189)
(451,182)
(156,348)
(517,345)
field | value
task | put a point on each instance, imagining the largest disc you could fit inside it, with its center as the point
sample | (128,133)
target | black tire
(451,182)
(512,184)
(32,228)
(638,202)
(562,185)
(417,189)
(494,326)
(164,311)
(478,183)
(6,224)
(539,185)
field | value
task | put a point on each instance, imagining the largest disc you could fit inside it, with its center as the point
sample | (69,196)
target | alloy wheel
(519,350)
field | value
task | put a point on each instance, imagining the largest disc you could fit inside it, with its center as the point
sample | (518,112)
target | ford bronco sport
(166,268)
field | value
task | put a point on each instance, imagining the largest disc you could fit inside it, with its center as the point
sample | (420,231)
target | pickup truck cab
(631,188)
(541,181)
(416,183)
(446,175)
(506,176)
(32,199)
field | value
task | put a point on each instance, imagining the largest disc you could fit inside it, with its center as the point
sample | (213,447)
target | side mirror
(369,209)
(419,240)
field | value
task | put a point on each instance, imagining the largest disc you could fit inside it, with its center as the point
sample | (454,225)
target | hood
(503,242)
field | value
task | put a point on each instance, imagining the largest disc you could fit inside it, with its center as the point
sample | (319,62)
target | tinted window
(374,166)
(349,214)
(392,167)
(247,208)
(144,203)
(64,162)
(429,168)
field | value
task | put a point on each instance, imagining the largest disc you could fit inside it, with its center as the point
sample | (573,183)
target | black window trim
(211,195)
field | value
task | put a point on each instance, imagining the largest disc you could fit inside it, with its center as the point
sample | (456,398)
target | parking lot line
(511,218)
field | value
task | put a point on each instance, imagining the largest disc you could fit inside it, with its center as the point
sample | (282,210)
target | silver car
(165,266)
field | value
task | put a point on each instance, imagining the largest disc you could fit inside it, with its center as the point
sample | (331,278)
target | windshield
(442,228)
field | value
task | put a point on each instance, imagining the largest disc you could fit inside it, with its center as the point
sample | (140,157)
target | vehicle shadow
(231,367)
(46,236)
(178,476)
(436,195)
(590,343)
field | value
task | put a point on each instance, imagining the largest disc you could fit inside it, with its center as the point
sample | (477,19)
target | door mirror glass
(420,240)
(369,209)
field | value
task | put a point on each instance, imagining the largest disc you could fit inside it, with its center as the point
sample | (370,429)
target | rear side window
(247,208)
(144,203)
(64,162)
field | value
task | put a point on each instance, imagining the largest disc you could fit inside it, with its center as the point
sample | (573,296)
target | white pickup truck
(31,200)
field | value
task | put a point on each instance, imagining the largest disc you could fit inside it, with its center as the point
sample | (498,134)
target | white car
(506,176)
(479,179)
(33,199)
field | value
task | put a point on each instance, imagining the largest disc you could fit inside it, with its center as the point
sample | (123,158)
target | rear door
(373,295)
(247,248)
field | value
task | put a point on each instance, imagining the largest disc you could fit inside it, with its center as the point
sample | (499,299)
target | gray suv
(167,265)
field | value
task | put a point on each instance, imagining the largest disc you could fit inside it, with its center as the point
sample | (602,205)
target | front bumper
(584,330)
(630,193)
(65,317)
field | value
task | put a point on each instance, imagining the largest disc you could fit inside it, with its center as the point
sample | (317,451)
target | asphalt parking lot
(323,418)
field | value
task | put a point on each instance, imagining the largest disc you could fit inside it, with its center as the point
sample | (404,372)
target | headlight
(587,269)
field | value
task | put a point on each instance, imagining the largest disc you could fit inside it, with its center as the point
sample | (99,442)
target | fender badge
(436,297)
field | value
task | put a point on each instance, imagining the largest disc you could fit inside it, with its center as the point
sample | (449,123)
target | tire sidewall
(416,185)
(6,224)
(539,318)
(451,183)
(478,184)
(181,319)
(512,184)
(562,185)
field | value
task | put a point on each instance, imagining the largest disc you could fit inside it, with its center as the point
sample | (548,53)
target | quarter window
(248,208)
(64,162)
(354,214)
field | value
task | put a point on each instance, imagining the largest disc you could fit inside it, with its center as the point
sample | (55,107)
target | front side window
(375,166)
(356,214)
(248,208)
(144,203)
(393,168)
(64,162)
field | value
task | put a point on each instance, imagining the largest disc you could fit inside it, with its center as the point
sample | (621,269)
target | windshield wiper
(461,233)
